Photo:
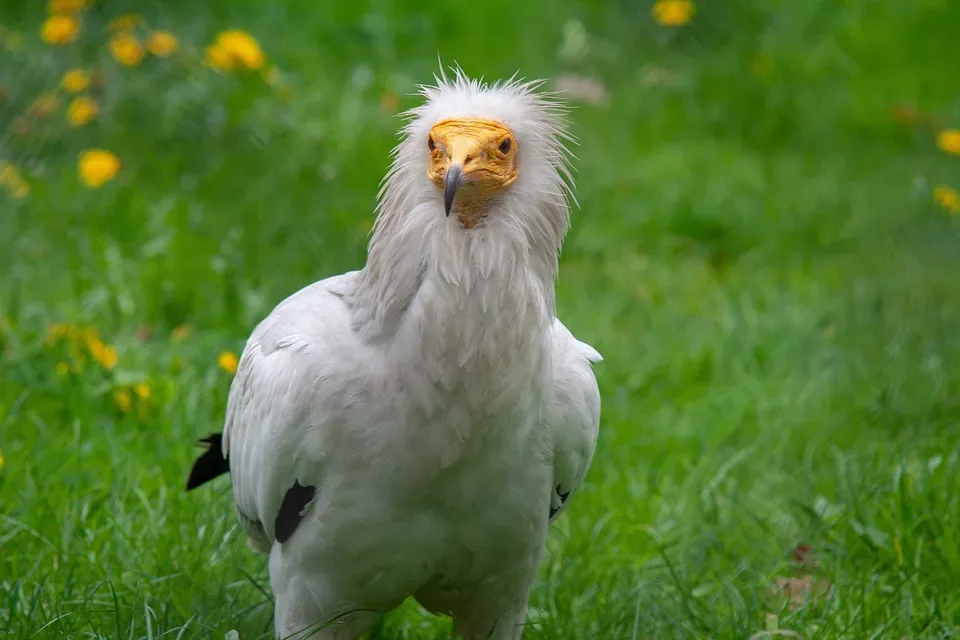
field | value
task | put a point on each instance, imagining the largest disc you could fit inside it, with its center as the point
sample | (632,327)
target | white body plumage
(432,399)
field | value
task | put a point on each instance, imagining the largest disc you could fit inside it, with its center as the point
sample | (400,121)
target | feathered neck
(457,311)
(427,277)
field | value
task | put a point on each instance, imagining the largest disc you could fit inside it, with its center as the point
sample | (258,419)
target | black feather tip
(211,463)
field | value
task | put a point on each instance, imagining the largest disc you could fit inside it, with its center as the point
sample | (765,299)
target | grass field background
(759,254)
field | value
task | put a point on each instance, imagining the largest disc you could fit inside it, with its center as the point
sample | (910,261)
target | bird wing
(572,413)
(280,409)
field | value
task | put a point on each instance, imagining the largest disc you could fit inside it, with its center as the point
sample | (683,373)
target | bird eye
(431,144)
(505,146)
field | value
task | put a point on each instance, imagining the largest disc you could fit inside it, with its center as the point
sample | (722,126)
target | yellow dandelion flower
(45,104)
(8,173)
(82,110)
(125,22)
(57,331)
(102,353)
(242,47)
(20,190)
(219,58)
(947,197)
(75,80)
(10,177)
(126,49)
(109,358)
(122,399)
(2,460)
(949,141)
(66,6)
(142,390)
(87,334)
(63,369)
(60,29)
(228,362)
(162,43)
(180,332)
(97,166)
(673,13)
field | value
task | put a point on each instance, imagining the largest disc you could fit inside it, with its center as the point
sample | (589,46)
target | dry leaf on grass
(590,90)
(655,76)
(803,555)
(799,590)
(389,101)
(909,115)
(783,633)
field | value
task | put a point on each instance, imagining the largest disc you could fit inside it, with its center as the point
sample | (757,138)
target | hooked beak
(450,186)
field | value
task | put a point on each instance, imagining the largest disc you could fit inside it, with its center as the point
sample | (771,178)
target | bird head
(473,158)
(484,155)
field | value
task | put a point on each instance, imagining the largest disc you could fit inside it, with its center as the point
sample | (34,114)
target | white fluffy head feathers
(536,119)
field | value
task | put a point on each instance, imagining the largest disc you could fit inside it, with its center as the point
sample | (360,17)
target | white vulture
(412,428)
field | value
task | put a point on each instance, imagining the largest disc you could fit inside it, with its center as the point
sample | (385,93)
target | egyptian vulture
(412,428)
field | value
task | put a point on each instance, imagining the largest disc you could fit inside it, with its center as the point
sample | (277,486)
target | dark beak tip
(451,184)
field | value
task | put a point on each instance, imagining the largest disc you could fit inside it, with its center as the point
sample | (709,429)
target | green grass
(757,257)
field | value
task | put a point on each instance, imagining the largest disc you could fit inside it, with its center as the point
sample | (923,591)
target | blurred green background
(765,252)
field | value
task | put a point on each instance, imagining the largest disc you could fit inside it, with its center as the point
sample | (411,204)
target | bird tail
(210,464)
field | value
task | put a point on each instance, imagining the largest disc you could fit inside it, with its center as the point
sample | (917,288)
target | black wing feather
(563,500)
(291,510)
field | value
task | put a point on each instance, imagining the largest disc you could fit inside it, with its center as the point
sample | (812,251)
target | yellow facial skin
(483,151)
